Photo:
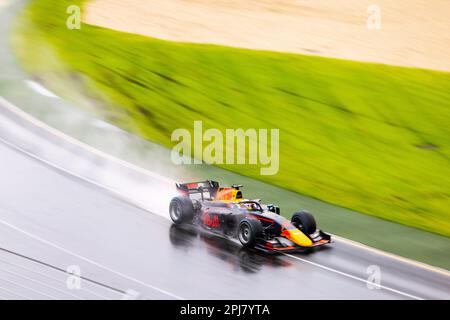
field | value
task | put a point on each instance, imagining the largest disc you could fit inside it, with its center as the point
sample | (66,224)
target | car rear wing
(206,189)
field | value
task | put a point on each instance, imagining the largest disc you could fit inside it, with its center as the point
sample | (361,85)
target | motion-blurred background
(360,91)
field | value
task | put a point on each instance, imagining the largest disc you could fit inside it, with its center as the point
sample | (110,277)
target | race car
(256,225)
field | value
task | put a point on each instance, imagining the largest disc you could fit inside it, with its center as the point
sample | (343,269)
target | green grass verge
(369,137)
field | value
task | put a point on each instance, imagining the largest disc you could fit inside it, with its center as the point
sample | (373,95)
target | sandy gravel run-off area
(413,32)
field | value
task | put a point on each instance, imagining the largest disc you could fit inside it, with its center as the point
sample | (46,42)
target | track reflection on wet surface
(246,260)
(123,246)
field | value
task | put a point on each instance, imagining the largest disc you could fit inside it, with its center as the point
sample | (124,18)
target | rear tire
(181,210)
(248,232)
(304,221)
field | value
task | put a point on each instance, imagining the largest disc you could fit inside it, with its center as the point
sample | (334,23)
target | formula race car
(259,226)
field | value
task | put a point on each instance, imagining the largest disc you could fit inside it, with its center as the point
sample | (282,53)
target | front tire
(181,210)
(248,232)
(304,221)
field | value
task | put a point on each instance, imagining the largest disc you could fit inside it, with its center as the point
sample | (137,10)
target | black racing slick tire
(249,231)
(304,221)
(181,210)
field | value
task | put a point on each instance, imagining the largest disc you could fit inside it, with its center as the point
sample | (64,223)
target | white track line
(40,89)
(353,277)
(15,294)
(42,284)
(102,154)
(40,124)
(113,191)
(52,278)
(393,256)
(80,144)
(30,289)
(88,260)
(51,164)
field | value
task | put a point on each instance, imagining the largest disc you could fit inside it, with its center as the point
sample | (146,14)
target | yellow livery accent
(297,237)
(229,195)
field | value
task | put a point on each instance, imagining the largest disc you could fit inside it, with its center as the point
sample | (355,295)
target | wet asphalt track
(61,221)
(50,220)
